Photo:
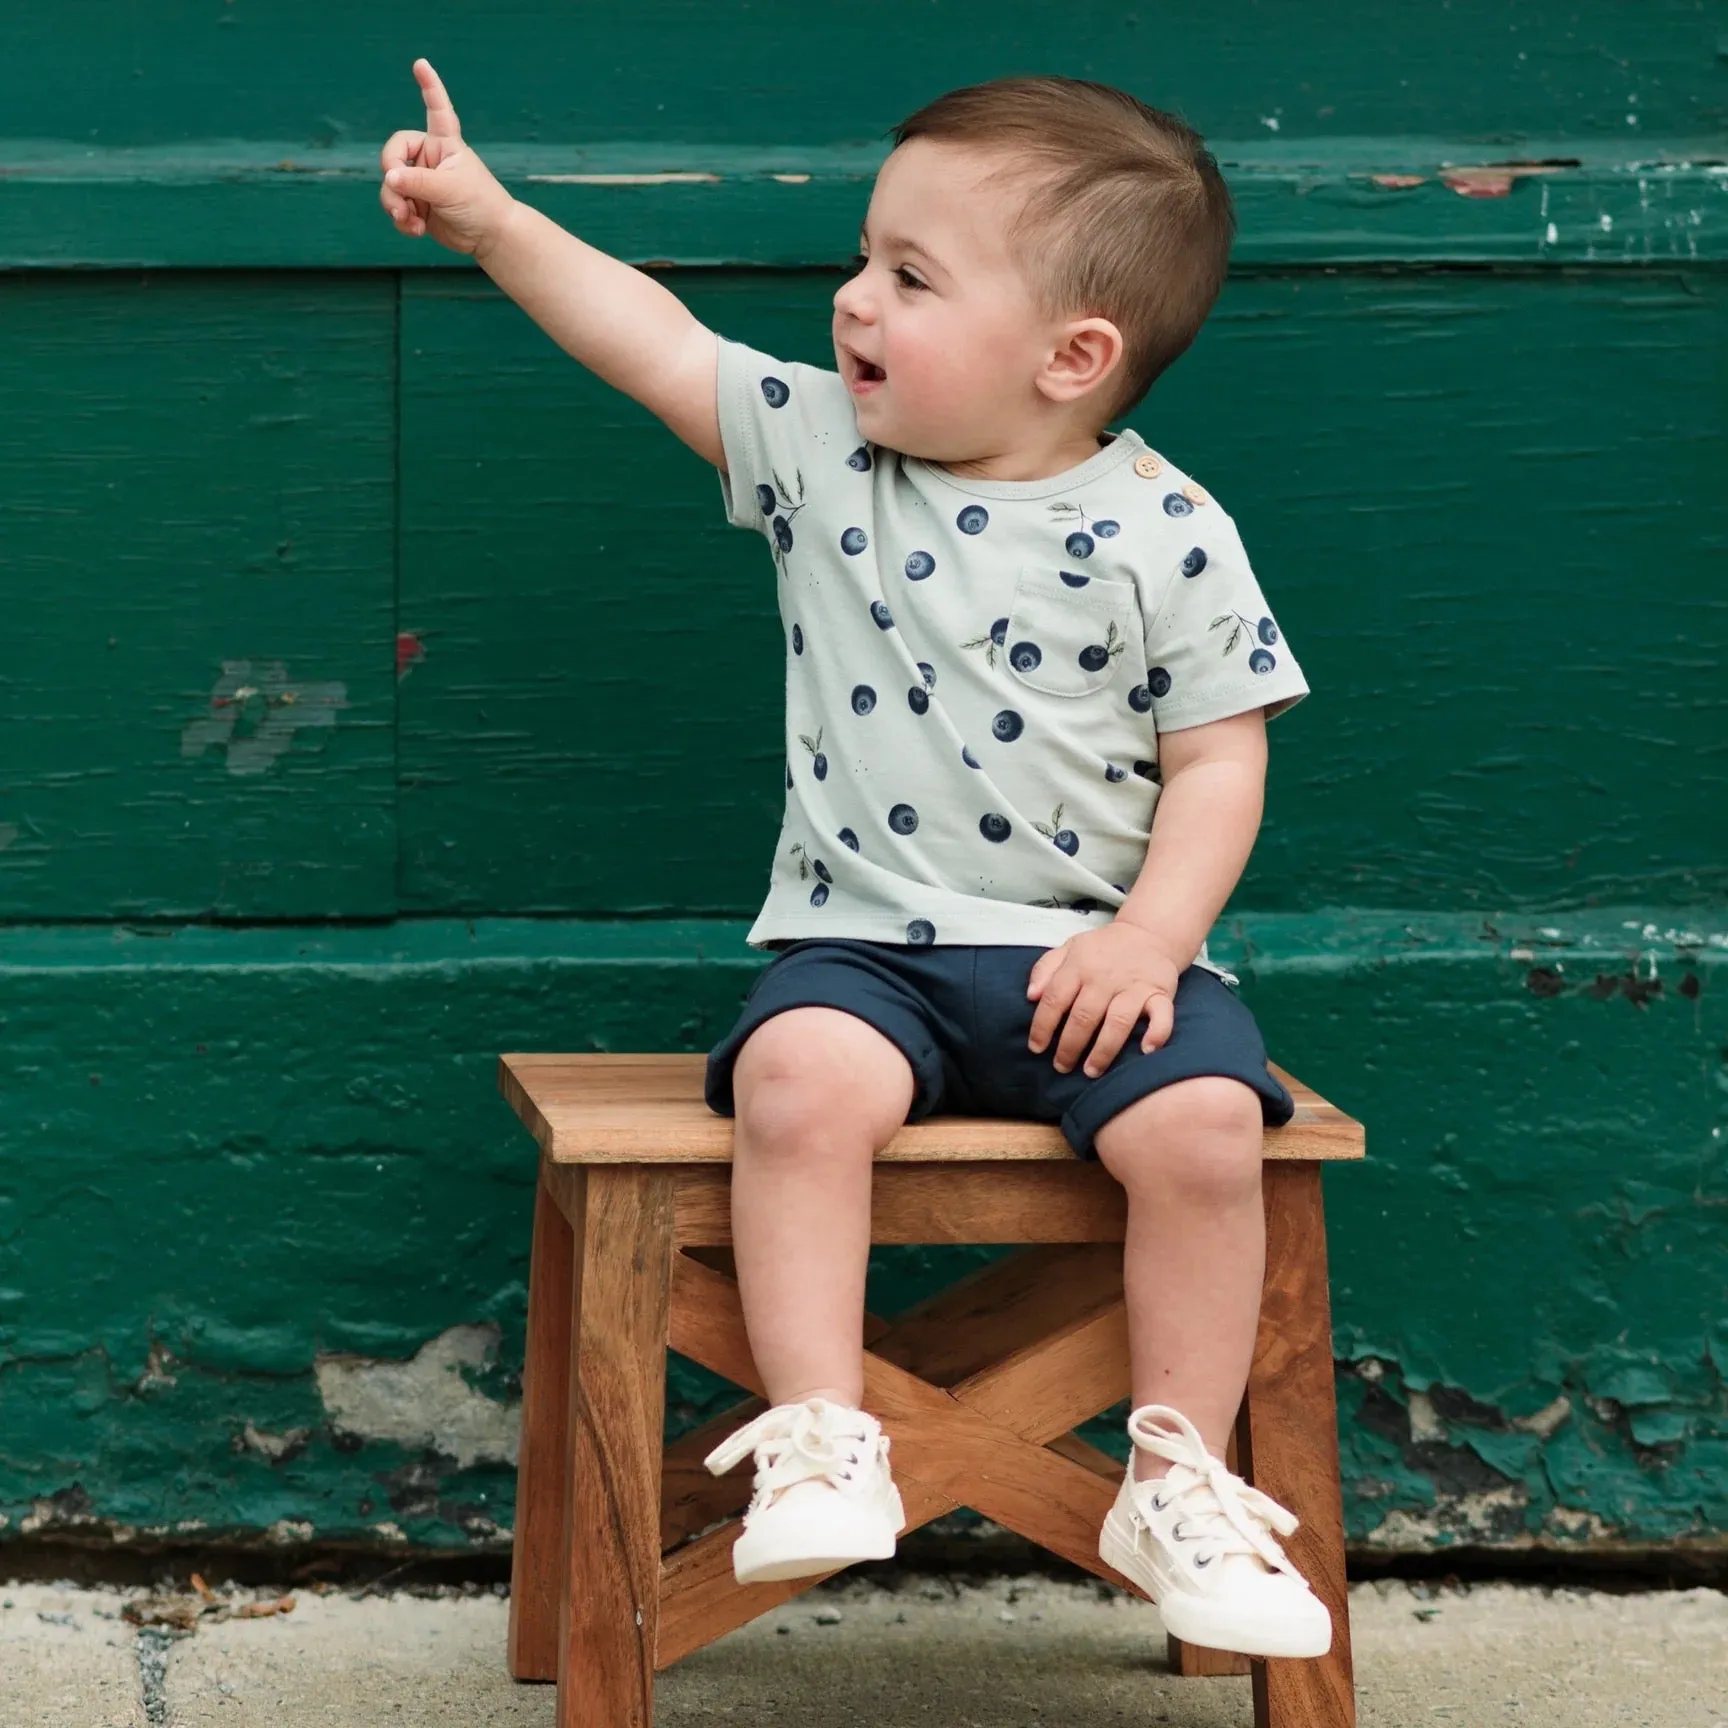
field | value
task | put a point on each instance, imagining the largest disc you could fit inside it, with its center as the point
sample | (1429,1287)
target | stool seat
(649,1109)
(622,1556)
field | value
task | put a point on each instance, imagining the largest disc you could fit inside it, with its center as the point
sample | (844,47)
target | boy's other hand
(1103,980)
(434,183)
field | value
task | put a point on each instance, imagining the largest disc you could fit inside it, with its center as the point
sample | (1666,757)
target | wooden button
(1195,494)
(1148,467)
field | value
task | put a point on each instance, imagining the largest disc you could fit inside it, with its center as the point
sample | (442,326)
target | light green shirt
(977,671)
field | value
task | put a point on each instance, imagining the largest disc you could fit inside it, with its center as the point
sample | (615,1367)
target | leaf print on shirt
(819,762)
(1064,839)
(1080,544)
(1098,655)
(1260,660)
(998,634)
(781,526)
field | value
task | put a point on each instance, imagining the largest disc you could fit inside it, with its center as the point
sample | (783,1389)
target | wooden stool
(623,1558)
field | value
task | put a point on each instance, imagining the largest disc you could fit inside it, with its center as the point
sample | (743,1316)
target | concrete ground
(1013,1653)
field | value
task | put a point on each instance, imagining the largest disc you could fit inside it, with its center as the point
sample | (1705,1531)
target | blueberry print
(1259,660)
(775,393)
(1148,771)
(1007,726)
(863,698)
(1064,839)
(1158,681)
(884,618)
(1114,774)
(788,776)
(918,566)
(968,758)
(1086,904)
(1097,655)
(920,932)
(853,541)
(928,673)
(818,762)
(847,838)
(797,640)
(972,519)
(860,459)
(1081,544)
(1140,699)
(903,819)
(1176,505)
(1195,562)
(790,505)
(994,827)
(1120,889)
(1025,657)
(808,867)
(1073,580)
(995,639)
(918,699)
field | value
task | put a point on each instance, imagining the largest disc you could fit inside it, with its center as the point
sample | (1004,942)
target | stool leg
(542,1469)
(1292,1442)
(611,1607)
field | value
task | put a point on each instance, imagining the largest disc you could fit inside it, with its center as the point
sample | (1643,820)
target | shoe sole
(1192,1619)
(810,1564)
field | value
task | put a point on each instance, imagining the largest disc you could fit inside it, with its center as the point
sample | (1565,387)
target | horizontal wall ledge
(262,204)
(1575,948)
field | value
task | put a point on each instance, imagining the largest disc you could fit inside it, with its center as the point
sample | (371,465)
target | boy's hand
(1103,980)
(435,184)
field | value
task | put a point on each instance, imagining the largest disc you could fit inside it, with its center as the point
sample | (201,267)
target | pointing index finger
(441,119)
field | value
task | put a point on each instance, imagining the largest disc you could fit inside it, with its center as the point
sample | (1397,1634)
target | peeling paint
(425,1402)
(255,710)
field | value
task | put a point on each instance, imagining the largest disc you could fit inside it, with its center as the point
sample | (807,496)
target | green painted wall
(378,692)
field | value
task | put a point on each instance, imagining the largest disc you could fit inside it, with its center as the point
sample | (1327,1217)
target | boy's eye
(908,280)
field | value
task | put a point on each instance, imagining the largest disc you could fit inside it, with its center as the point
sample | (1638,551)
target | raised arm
(618,321)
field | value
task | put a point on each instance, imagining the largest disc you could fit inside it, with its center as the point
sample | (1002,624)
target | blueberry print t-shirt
(977,671)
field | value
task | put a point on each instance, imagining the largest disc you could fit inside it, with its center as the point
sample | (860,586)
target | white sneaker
(1199,1543)
(824,1497)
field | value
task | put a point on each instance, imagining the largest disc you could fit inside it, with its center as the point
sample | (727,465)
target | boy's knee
(817,1077)
(1201,1138)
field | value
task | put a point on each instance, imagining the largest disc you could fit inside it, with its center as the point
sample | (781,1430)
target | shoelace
(795,1443)
(1217,1505)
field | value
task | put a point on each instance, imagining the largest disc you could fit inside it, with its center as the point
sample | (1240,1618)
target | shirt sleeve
(1213,648)
(772,413)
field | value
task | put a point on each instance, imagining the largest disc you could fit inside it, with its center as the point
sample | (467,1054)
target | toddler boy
(1012,638)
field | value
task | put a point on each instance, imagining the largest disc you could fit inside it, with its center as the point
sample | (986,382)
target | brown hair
(1127,216)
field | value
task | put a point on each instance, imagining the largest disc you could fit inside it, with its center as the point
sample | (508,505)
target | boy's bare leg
(1194,1260)
(817,1093)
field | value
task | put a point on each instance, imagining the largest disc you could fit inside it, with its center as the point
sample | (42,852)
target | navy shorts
(960,1016)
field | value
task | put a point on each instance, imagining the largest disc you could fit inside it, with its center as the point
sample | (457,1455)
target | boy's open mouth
(864,372)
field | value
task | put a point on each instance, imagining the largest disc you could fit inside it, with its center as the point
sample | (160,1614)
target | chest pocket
(1070,634)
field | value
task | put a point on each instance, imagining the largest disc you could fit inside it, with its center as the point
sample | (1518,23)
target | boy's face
(938,336)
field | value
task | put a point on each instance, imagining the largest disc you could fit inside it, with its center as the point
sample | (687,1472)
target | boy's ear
(1086,353)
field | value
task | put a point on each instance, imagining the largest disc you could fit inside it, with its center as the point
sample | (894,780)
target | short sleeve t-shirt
(977,671)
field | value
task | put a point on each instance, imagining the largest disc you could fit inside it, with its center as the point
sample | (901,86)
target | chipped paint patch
(426,1401)
(1490,1515)
(255,710)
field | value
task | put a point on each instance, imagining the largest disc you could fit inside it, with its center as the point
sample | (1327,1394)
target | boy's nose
(852,301)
